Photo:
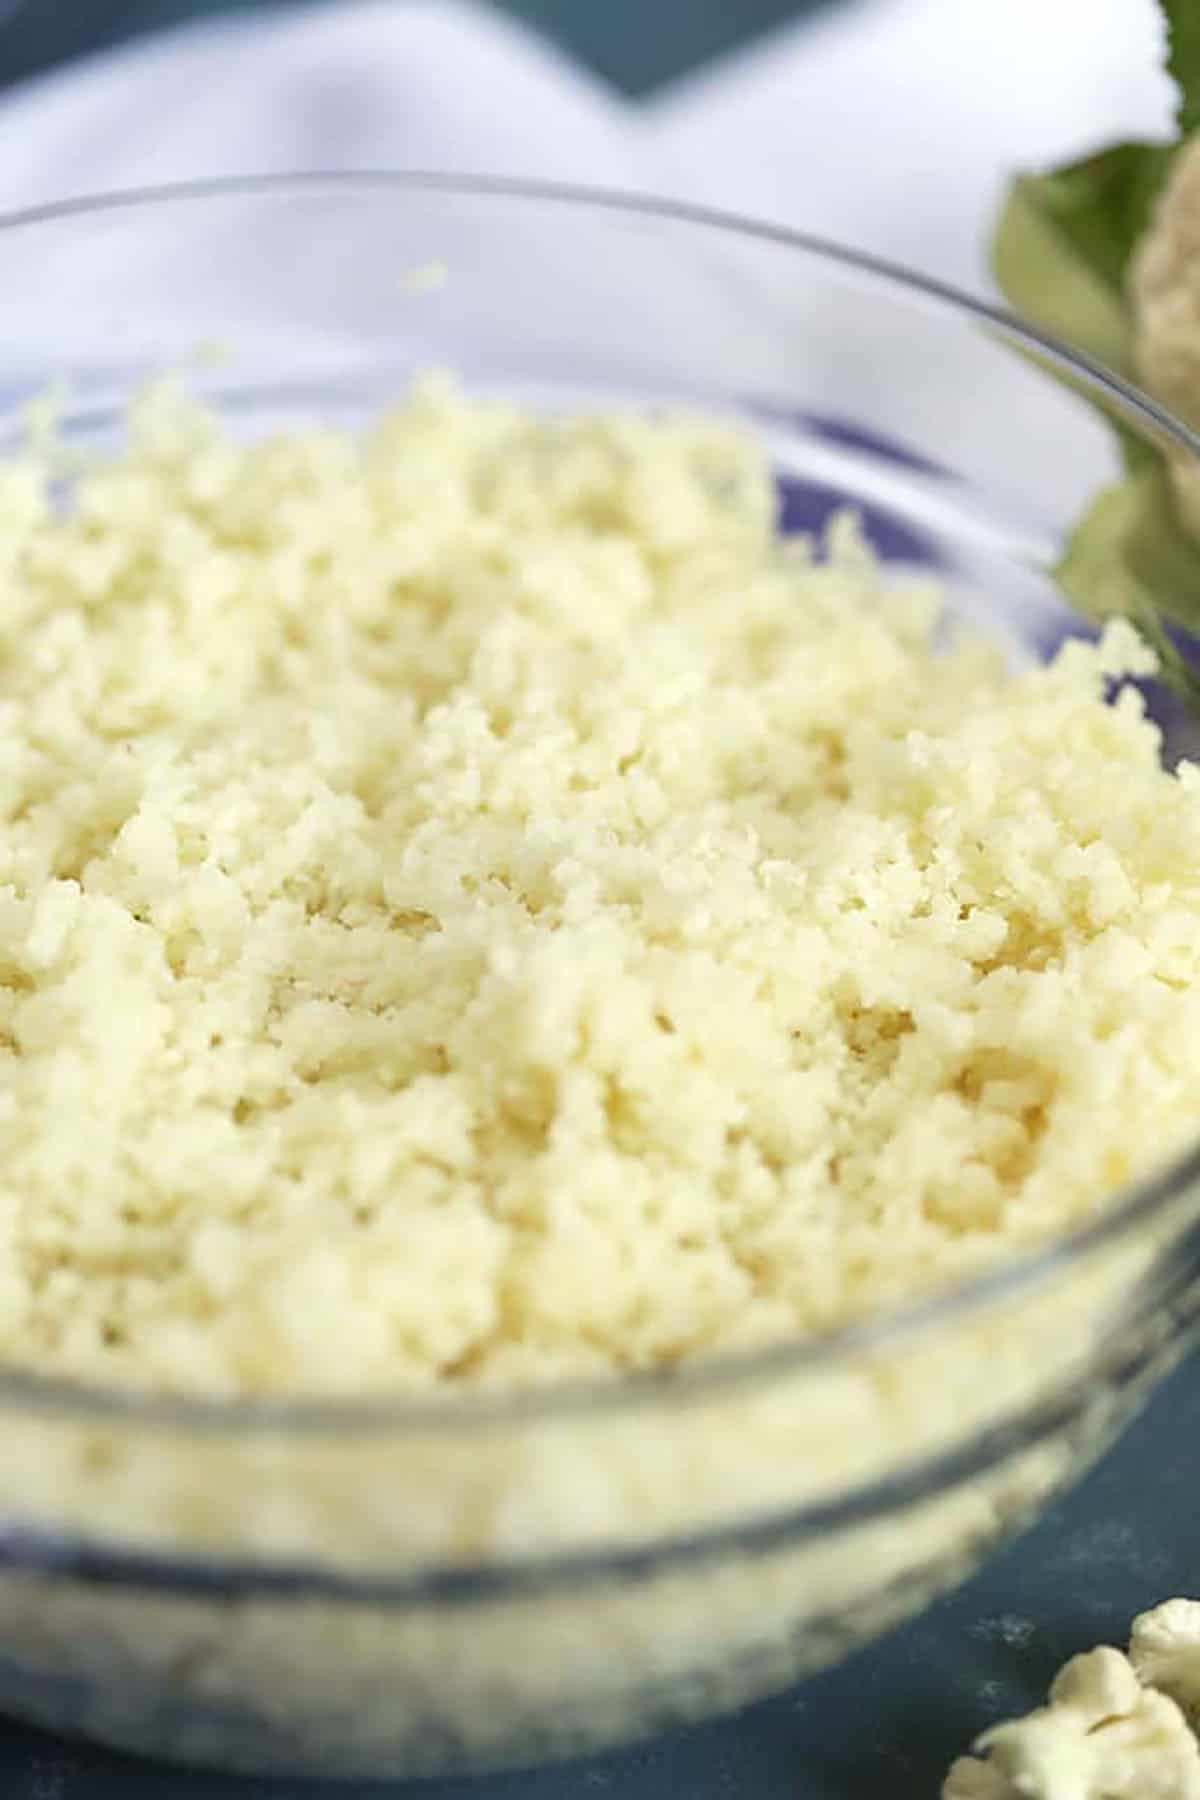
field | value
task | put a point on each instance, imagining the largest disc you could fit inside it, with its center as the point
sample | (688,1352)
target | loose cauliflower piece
(1164,1648)
(971,1779)
(1102,1736)
(1165,288)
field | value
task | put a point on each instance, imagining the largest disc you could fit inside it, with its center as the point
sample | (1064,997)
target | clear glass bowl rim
(307,1416)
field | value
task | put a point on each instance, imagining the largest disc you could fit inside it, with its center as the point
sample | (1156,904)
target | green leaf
(1063,243)
(1061,253)
(1183,59)
(1131,557)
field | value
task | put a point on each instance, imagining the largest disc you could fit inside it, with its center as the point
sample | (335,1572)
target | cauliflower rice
(479,907)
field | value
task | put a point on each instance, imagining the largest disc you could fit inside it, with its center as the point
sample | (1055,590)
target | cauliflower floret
(1164,1648)
(1165,288)
(1165,277)
(1103,1736)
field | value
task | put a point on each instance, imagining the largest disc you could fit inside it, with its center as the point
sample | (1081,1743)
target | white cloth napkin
(354,84)
(893,125)
(889,124)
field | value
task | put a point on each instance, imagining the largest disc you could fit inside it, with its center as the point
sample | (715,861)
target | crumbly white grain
(477,906)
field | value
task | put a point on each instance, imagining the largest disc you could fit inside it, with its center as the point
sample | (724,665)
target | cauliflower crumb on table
(477,906)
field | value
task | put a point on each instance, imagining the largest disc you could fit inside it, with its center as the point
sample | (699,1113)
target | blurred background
(890,125)
(635,44)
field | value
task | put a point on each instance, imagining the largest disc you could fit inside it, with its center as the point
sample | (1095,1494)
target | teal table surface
(636,44)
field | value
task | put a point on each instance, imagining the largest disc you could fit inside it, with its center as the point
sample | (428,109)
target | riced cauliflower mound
(478,907)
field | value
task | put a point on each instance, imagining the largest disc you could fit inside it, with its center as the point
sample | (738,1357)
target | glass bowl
(403,1588)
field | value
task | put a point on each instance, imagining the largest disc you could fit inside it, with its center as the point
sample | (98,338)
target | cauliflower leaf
(1130,557)
(1064,240)
(1069,254)
(1183,59)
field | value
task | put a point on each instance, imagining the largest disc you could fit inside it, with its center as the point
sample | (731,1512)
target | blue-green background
(637,44)
(885,1725)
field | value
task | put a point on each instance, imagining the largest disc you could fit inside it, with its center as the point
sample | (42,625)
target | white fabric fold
(890,125)
(893,125)
(357,84)
(887,124)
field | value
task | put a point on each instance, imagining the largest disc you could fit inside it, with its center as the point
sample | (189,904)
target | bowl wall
(395,1592)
